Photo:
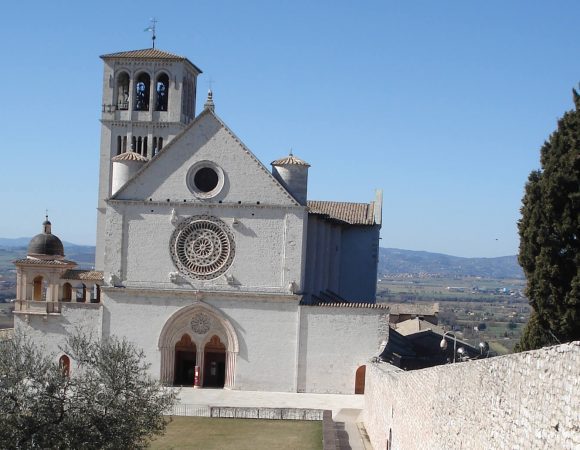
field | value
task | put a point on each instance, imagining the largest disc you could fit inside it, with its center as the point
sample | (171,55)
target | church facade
(222,270)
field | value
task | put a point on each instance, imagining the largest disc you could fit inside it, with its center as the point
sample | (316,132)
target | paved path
(346,409)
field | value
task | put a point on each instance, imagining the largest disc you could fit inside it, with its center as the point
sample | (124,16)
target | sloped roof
(417,325)
(290,160)
(351,213)
(414,309)
(87,275)
(349,305)
(150,53)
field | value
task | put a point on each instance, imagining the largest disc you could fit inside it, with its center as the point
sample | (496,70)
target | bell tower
(148,98)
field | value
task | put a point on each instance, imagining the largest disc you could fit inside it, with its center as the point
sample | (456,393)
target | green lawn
(240,434)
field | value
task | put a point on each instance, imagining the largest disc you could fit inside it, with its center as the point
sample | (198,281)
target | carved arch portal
(200,322)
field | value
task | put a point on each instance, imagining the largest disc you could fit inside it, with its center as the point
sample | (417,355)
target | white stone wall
(246,179)
(266,330)
(528,400)
(50,332)
(334,342)
(268,246)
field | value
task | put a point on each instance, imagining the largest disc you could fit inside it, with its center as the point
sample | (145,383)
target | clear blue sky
(444,105)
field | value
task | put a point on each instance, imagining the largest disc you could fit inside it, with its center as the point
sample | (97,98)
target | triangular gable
(247,180)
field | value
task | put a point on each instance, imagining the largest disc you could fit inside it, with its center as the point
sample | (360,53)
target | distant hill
(391,261)
(11,249)
(396,261)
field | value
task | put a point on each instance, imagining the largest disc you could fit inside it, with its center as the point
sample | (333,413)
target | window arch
(119,145)
(64,365)
(123,91)
(139,144)
(142,90)
(144,153)
(162,92)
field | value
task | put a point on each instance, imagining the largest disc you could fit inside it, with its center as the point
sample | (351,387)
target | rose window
(202,247)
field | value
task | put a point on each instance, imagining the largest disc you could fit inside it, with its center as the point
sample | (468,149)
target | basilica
(221,269)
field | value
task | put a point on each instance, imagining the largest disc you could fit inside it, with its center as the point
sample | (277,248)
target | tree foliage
(549,238)
(107,402)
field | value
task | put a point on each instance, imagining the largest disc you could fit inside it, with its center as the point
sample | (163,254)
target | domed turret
(292,173)
(125,166)
(46,245)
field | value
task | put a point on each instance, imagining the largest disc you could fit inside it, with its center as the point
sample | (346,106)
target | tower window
(144,146)
(159,144)
(139,144)
(123,91)
(124,144)
(133,144)
(162,92)
(142,92)
(154,149)
(119,145)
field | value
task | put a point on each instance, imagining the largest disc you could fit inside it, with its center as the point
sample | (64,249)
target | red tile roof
(150,53)
(351,213)
(88,275)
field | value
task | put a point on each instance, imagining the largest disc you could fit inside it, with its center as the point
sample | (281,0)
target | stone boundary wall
(266,413)
(527,400)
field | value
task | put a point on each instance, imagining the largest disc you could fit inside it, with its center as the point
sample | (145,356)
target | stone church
(221,269)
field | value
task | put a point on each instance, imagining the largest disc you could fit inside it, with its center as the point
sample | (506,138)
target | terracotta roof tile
(86,275)
(129,156)
(351,305)
(351,213)
(52,262)
(150,53)
(290,160)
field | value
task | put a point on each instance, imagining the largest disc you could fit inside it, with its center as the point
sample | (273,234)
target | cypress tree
(550,238)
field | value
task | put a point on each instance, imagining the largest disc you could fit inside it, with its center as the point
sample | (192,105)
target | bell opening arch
(201,322)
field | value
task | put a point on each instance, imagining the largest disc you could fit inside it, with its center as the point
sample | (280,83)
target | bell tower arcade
(148,98)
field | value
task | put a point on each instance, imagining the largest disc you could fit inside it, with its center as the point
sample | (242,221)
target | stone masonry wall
(522,401)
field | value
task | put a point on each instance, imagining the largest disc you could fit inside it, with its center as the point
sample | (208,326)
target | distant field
(240,434)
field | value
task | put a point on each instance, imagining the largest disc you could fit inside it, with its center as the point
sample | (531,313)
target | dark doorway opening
(214,373)
(185,360)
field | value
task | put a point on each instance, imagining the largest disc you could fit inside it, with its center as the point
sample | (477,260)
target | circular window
(205,179)
(202,247)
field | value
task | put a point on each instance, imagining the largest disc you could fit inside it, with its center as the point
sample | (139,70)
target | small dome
(290,160)
(46,244)
(129,156)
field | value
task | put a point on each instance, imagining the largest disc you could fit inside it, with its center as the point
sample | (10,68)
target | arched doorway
(359,380)
(64,364)
(185,360)
(66,292)
(210,331)
(214,371)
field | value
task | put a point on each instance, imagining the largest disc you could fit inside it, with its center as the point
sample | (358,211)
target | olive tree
(108,401)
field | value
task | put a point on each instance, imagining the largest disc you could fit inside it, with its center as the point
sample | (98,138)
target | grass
(240,434)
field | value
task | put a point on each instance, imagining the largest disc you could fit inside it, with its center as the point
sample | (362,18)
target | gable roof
(351,213)
(149,53)
(167,148)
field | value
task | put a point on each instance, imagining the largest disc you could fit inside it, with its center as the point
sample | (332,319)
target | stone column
(230,370)
(167,365)
(200,361)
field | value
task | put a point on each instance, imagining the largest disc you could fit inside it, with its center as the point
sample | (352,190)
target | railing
(37,307)
(186,409)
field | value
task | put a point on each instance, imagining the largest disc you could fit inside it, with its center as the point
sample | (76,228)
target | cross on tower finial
(151,28)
